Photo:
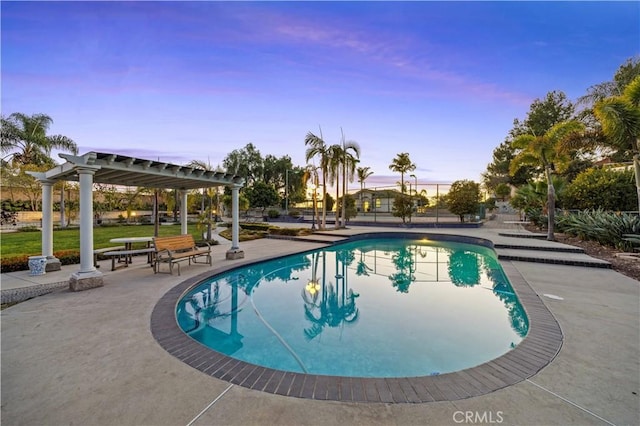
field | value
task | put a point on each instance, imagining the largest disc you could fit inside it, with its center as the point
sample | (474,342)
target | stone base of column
(53,264)
(80,281)
(235,254)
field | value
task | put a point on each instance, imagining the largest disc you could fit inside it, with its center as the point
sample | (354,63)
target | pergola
(101,167)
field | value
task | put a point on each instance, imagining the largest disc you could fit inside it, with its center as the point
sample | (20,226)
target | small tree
(227,201)
(329,202)
(262,195)
(402,207)
(463,198)
(503,191)
(350,208)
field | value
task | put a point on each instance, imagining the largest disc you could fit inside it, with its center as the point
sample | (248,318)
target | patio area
(90,357)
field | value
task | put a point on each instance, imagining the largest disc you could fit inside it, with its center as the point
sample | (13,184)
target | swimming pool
(374,307)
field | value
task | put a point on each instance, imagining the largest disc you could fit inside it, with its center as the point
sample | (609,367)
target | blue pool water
(369,308)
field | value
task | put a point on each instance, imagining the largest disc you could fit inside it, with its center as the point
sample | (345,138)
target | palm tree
(620,119)
(24,137)
(363,173)
(349,162)
(207,214)
(402,164)
(546,151)
(335,156)
(317,147)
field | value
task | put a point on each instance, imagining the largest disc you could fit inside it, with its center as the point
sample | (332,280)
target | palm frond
(620,120)
(632,92)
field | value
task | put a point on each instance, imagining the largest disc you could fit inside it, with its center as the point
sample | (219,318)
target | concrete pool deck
(90,357)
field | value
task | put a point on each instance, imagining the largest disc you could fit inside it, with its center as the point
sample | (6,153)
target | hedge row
(21,263)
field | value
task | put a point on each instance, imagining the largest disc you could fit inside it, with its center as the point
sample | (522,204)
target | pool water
(369,308)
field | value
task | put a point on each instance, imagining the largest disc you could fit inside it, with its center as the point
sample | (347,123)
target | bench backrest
(174,243)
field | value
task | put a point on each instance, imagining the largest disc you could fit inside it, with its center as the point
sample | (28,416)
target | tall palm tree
(402,164)
(311,173)
(363,173)
(24,137)
(546,151)
(317,147)
(620,119)
(335,156)
(350,157)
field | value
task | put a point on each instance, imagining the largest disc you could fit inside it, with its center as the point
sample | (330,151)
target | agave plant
(607,228)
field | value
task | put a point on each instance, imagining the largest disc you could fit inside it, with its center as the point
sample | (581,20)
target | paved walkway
(90,358)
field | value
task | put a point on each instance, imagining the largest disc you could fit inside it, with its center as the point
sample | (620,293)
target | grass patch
(16,244)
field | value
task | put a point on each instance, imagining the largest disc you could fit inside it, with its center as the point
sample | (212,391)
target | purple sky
(179,81)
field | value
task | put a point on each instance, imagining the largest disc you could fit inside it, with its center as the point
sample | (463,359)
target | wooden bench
(127,256)
(102,251)
(175,249)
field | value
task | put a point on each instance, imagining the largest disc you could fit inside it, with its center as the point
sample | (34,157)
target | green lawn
(29,243)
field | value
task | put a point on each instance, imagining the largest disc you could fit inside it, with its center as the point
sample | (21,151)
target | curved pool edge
(535,351)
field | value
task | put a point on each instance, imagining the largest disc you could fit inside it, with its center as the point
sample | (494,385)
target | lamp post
(415,190)
(313,198)
(286,192)
(416,180)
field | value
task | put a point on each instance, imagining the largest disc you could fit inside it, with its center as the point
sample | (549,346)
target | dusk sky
(179,81)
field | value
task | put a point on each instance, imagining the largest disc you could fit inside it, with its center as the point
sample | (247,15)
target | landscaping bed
(628,267)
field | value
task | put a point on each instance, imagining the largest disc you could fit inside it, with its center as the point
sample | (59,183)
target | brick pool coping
(537,349)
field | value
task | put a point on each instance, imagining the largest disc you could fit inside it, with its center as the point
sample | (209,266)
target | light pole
(416,189)
(286,192)
(313,198)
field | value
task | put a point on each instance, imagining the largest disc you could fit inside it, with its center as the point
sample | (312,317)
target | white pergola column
(235,252)
(183,212)
(53,264)
(87,277)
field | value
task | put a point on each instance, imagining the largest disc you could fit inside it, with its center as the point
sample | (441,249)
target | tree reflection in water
(208,310)
(502,289)
(362,268)
(337,305)
(405,266)
(464,269)
(329,302)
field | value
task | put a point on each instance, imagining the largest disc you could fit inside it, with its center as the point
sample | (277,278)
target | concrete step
(557,249)
(523,234)
(313,238)
(551,257)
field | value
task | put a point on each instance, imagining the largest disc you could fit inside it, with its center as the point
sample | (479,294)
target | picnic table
(125,255)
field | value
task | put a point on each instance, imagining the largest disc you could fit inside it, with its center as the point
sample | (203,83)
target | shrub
(537,217)
(13,264)
(109,224)
(284,231)
(255,226)
(21,263)
(607,228)
(273,213)
(602,188)
(294,213)
(29,228)
(68,257)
